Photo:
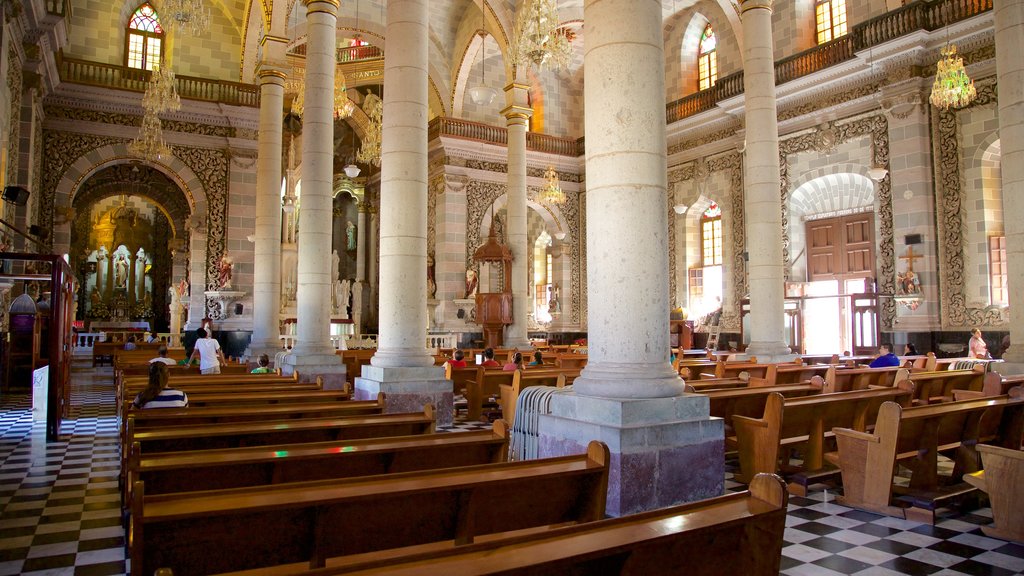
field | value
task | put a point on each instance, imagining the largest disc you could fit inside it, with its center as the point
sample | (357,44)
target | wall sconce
(680,209)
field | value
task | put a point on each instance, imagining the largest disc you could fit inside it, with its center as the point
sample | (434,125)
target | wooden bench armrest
(748,421)
(855,435)
(976,479)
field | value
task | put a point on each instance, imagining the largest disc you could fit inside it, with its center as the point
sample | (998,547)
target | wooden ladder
(716,331)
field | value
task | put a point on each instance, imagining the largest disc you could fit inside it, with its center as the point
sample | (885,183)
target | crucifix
(910,257)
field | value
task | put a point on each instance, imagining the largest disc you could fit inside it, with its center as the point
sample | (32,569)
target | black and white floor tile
(60,509)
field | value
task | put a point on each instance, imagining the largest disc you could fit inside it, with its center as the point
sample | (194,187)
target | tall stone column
(517,119)
(402,367)
(197,277)
(313,354)
(665,448)
(1009,20)
(360,289)
(761,182)
(266,292)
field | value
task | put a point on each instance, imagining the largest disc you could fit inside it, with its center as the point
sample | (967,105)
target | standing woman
(977,348)
(157,394)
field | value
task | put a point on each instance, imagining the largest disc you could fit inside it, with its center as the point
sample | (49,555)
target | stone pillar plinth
(313,354)
(1009,22)
(517,117)
(761,181)
(402,367)
(266,292)
(666,449)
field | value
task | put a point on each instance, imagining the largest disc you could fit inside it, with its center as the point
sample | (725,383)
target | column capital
(270,38)
(516,114)
(271,74)
(326,6)
(751,4)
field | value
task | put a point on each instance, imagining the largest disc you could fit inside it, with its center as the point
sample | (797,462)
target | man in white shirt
(162,351)
(210,356)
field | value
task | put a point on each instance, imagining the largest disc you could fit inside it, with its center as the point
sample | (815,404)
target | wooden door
(841,248)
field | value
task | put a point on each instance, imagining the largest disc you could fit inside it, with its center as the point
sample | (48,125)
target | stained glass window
(707,60)
(144,38)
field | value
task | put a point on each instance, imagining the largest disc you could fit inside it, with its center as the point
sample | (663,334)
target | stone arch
(553,218)
(690,43)
(468,71)
(983,216)
(828,191)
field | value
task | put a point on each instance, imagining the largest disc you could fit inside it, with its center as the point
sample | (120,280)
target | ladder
(716,331)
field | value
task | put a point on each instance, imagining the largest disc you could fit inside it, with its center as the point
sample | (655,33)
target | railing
(60,8)
(438,341)
(469,130)
(339,341)
(919,15)
(78,71)
(84,341)
(346,54)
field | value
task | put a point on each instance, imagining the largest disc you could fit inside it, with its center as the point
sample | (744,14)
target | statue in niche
(471,283)
(101,254)
(121,267)
(224,271)
(350,235)
(335,266)
(341,296)
(431,281)
(554,306)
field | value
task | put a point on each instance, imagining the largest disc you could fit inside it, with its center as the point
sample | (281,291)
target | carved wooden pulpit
(494,309)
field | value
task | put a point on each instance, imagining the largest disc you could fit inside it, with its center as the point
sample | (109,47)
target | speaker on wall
(16,195)
(911,239)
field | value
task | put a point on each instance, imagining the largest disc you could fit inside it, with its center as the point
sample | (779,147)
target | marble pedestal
(409,390)
(327,366)
(1008,368)
(664,451)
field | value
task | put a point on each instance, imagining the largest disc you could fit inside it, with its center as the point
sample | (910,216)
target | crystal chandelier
(551,193)
(189,16)
(296,85)
(343,107)
(161,92)
(149,145)
(952,87)
(538,41)
(369,153)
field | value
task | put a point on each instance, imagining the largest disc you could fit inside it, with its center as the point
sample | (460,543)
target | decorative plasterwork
(124,119)
(14,122)
(676,176)
(950,203)
(436,188)
(480,196)
(733,162)
(877,127)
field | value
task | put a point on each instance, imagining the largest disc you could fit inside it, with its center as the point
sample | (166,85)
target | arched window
(711,236)
(707,59)
(830,19)
(144,39)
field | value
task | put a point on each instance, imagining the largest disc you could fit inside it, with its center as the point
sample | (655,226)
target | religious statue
(335,265)
(101,254)
(224,269)
(121,267)
(471,283)
(554,306)
(341,295)
(431,281)
(94,298)
(350,235)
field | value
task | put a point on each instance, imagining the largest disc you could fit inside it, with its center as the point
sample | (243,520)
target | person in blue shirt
(885,358)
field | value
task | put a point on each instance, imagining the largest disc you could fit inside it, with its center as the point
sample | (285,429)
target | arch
(144,46)
(553,218)
(476,55)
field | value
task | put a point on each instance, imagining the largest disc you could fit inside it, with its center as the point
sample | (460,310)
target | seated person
(130,344)
(910,350)
(157,394)
(489,361)
(516,363)
(162,356)
(264,365)
(538,359)
(459,360)
(148,337)
(885,358)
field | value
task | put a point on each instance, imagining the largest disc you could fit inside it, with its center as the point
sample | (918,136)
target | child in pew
(264,365)
(157,394)
(516,363)
(489,361)
(538,359)
(459,360)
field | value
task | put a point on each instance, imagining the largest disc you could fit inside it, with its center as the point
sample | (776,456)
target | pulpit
(23,343)
(494,308)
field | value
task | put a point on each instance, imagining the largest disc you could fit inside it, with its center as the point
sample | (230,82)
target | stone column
(1009,21)
(371,245)
(197,277)
(665,448)
(762,184)
(266,291)
(517,118)
(313,354)
(359,287)
(402,366)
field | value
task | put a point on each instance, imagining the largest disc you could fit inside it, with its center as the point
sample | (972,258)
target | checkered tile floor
(60,503)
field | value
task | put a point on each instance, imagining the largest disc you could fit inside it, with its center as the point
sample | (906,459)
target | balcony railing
(123,78)
(469,130)
(346,54)
(919,15)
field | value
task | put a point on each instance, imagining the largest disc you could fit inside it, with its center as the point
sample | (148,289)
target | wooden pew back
(847,379)
(932,387)
(485,384)
(525,379)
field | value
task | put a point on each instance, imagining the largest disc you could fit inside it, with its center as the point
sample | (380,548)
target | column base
(1008,367)
(409,390)
(269,347)
(664,451)
(310,366)
(769,352)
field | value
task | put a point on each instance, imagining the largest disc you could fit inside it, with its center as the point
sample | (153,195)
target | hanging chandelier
(369,153)
(483,94)
(551,193)
(343,107)
(161,92)
(189,16)
(149,145)
(538,40)
(952,87)
(296,85)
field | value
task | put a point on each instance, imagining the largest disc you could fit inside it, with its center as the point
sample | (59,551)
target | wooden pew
(223,414)
(749,402)
(708,384)
(732,534)
(104,352)
(309,522)
(485,384)
(354,361)
(269,432)
(791,373)
(186,471)
(807,421)
(1002,479)
(524,379)
(691,368)
(735,369)
(571,361)
(264,398)
(932,387)
(914,437)
(847,379)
